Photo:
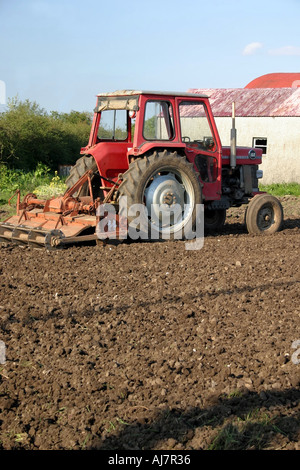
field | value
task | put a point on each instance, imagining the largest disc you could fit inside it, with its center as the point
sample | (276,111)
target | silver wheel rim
(170,200)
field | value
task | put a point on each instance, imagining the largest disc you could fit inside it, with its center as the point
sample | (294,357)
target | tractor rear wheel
(264,214)
(168,187)
(82,165)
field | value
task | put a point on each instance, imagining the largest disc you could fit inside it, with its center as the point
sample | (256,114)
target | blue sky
(61,53)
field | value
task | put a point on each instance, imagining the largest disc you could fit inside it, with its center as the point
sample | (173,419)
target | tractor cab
(131,124)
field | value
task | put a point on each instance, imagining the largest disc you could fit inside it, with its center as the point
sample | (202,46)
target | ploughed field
(152,346)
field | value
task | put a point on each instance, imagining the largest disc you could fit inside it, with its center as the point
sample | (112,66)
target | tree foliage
(29,135)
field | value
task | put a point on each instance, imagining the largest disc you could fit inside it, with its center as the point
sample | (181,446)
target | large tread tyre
(214,220)
(264,215)
(82,165)
(166,180)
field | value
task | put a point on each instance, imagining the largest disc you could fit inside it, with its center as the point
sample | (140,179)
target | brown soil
(150,346)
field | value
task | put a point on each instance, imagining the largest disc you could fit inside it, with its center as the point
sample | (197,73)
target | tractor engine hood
(244,155)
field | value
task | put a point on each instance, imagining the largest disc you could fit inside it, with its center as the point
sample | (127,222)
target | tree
(28,135)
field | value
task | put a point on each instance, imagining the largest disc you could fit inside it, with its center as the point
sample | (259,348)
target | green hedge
(29,135)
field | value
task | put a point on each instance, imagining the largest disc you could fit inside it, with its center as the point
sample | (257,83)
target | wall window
(260,143)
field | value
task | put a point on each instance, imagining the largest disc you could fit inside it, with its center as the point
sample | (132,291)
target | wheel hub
(265,218)
(165,196)
(169,199)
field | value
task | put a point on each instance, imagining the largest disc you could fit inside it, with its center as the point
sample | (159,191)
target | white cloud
(251,48)
(286,50)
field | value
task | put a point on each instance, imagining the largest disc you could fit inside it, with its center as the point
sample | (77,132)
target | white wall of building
(282,162)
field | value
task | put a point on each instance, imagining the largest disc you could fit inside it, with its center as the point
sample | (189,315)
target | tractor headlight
(259,174)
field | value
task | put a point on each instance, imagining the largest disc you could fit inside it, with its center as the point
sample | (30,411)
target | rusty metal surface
(57,221)
(259,102)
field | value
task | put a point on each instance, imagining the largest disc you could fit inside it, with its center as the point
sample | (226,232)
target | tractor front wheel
(264,215)
(166,185)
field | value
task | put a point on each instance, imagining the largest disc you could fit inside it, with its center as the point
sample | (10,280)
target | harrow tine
(6,231)
(27,236)
(36,238)
(20,235)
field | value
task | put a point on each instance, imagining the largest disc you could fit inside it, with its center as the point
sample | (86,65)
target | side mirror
(132,114)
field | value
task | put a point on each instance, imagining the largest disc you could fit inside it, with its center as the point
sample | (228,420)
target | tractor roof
(128,99)
(142,92)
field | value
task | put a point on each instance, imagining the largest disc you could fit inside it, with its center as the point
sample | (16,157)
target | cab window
(113,125)
(195,126)
(158,121)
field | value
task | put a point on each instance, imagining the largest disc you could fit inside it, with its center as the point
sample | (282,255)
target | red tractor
(157,149)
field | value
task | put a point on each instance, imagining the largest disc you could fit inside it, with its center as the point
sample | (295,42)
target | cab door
(202,144)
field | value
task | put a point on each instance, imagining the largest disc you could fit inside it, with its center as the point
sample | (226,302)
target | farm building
(276,80)
(268,117)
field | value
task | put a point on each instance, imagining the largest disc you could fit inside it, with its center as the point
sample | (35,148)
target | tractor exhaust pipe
(233,140)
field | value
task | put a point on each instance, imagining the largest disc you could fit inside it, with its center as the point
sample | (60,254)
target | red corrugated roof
(276,80)
(258,102)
